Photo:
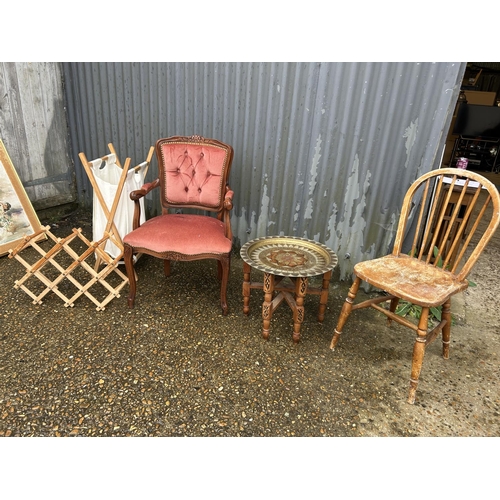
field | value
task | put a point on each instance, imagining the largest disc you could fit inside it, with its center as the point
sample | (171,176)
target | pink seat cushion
(185,234)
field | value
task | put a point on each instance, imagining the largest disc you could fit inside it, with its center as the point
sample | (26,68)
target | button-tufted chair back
(193,171)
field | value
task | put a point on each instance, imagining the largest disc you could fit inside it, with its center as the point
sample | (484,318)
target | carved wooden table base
(282,258)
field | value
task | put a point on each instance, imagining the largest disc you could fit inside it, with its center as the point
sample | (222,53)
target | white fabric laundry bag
(107,175)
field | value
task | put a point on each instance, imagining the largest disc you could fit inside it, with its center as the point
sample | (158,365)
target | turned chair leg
(418,354)
(223,266)
(346,310)
(323,299)
(128,255)
(446,332)
(392,308)
(246,288)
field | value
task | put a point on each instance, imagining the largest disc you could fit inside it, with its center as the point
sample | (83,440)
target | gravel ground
(174,366)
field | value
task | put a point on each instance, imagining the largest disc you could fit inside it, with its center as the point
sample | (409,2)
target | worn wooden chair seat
(410,279)
(193,173)
(448,217)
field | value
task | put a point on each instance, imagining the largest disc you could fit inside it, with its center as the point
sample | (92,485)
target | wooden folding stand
(102,209)
(79,270)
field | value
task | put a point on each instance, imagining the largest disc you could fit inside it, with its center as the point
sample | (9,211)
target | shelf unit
(481,153)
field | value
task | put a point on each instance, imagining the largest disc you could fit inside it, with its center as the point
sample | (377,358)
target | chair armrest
(228,205)
(136,195)
(144,190)
(228,198)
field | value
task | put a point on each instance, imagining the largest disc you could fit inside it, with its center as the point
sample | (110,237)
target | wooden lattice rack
(62,269)
(53,273)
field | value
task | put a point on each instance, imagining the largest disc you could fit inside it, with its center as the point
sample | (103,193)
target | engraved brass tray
(289,256)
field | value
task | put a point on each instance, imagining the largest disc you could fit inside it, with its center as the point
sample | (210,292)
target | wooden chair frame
(437,266)
(222,211)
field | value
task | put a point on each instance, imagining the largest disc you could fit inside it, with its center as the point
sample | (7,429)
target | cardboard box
(478,97)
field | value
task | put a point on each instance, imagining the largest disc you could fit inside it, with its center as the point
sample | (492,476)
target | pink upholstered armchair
(193,173)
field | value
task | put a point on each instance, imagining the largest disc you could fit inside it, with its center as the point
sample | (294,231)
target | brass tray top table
(280,257)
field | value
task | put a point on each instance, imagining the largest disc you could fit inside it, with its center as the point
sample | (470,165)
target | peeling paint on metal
(241,227)
(314,175)
(309,209)
(355,214)
(411,137)
(338,171)
(389,231)
(297,212)
(262,222)
(314,166)
(331,238)
(347,234)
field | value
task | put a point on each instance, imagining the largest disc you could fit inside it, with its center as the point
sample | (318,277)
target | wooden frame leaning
(17,216)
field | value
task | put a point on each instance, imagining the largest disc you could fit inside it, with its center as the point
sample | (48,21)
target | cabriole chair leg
(128,255)
(223,270)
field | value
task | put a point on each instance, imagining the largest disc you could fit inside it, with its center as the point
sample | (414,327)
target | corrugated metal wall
(322,150)
(34,129)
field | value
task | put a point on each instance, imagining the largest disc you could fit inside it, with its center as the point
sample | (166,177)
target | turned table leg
(267,307)
(246,288)
(298,312)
